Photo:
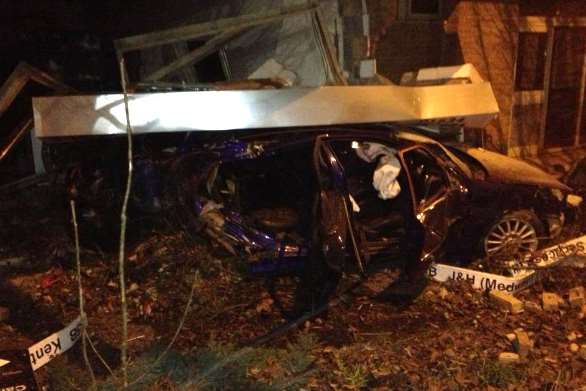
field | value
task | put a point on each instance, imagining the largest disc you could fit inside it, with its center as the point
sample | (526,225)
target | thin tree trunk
(122,248)
(84,321)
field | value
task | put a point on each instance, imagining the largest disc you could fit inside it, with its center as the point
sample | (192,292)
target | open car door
(433,198)
(335,229)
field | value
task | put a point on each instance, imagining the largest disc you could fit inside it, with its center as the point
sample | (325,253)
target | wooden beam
(196,55)
(18,79)
(540,24)
(328,50)
(15,137)
(11,87)
(194,31)
(581,103)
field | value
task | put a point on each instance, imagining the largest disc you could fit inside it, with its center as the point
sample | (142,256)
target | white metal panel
(471,104)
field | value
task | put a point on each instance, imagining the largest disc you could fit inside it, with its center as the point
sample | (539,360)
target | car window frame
(418,206)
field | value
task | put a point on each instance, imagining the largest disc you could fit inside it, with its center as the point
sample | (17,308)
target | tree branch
(84,321)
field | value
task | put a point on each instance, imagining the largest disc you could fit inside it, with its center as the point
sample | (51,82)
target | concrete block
(508,358)
(577,297)
(551,301)
(506,301)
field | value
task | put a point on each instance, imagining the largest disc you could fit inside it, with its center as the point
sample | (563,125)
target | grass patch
(215,367)
(495,374)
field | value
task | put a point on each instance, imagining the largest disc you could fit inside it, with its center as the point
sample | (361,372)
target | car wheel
(513,234)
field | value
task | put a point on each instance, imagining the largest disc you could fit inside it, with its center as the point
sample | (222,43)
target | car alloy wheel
(510,236)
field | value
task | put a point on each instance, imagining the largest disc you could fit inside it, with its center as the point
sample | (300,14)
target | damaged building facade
(532,53)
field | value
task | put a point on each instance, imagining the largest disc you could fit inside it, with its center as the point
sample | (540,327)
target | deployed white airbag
(385,176)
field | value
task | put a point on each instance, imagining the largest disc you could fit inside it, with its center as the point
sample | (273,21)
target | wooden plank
(18,79)
(196,55)
(581,103)
(540,24)
(15,137)
(190,32)
(329,52)
(533,24)
(546,85)
(45,79)
(11,87)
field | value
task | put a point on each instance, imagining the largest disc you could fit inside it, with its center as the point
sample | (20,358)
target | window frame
(420,206)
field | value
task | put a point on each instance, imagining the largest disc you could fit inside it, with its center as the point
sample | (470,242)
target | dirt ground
(448,339)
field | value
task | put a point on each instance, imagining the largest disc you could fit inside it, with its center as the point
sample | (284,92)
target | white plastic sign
(44,351)
(545,258)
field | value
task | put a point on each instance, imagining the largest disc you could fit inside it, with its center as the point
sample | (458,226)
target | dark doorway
(565,87)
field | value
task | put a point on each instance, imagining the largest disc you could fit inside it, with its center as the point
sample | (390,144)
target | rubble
(506,301)
(443,293)
(551,301)
(577,297)
(532,306)
(571,337)
(381,345)
(508,358)
(522,343)
(574,347)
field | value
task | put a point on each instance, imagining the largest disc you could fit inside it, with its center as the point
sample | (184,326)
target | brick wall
(488,38)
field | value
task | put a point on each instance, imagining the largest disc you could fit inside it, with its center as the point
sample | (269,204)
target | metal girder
(471,105)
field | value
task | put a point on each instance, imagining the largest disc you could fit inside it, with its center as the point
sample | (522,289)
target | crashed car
(355,197)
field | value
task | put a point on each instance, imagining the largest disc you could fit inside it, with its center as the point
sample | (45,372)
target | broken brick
(506,301)
(532,306)
(551,301)
(522,343)
(577,297)
(508,358)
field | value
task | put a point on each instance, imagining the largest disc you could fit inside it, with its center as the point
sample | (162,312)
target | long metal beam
(471,105)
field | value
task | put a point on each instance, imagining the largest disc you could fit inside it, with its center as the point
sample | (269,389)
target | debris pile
(452,336)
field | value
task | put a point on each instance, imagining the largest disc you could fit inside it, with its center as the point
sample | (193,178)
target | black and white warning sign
(16,373)
(44,351)
(522,279)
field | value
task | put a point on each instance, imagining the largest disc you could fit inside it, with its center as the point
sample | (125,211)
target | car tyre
(513,234)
